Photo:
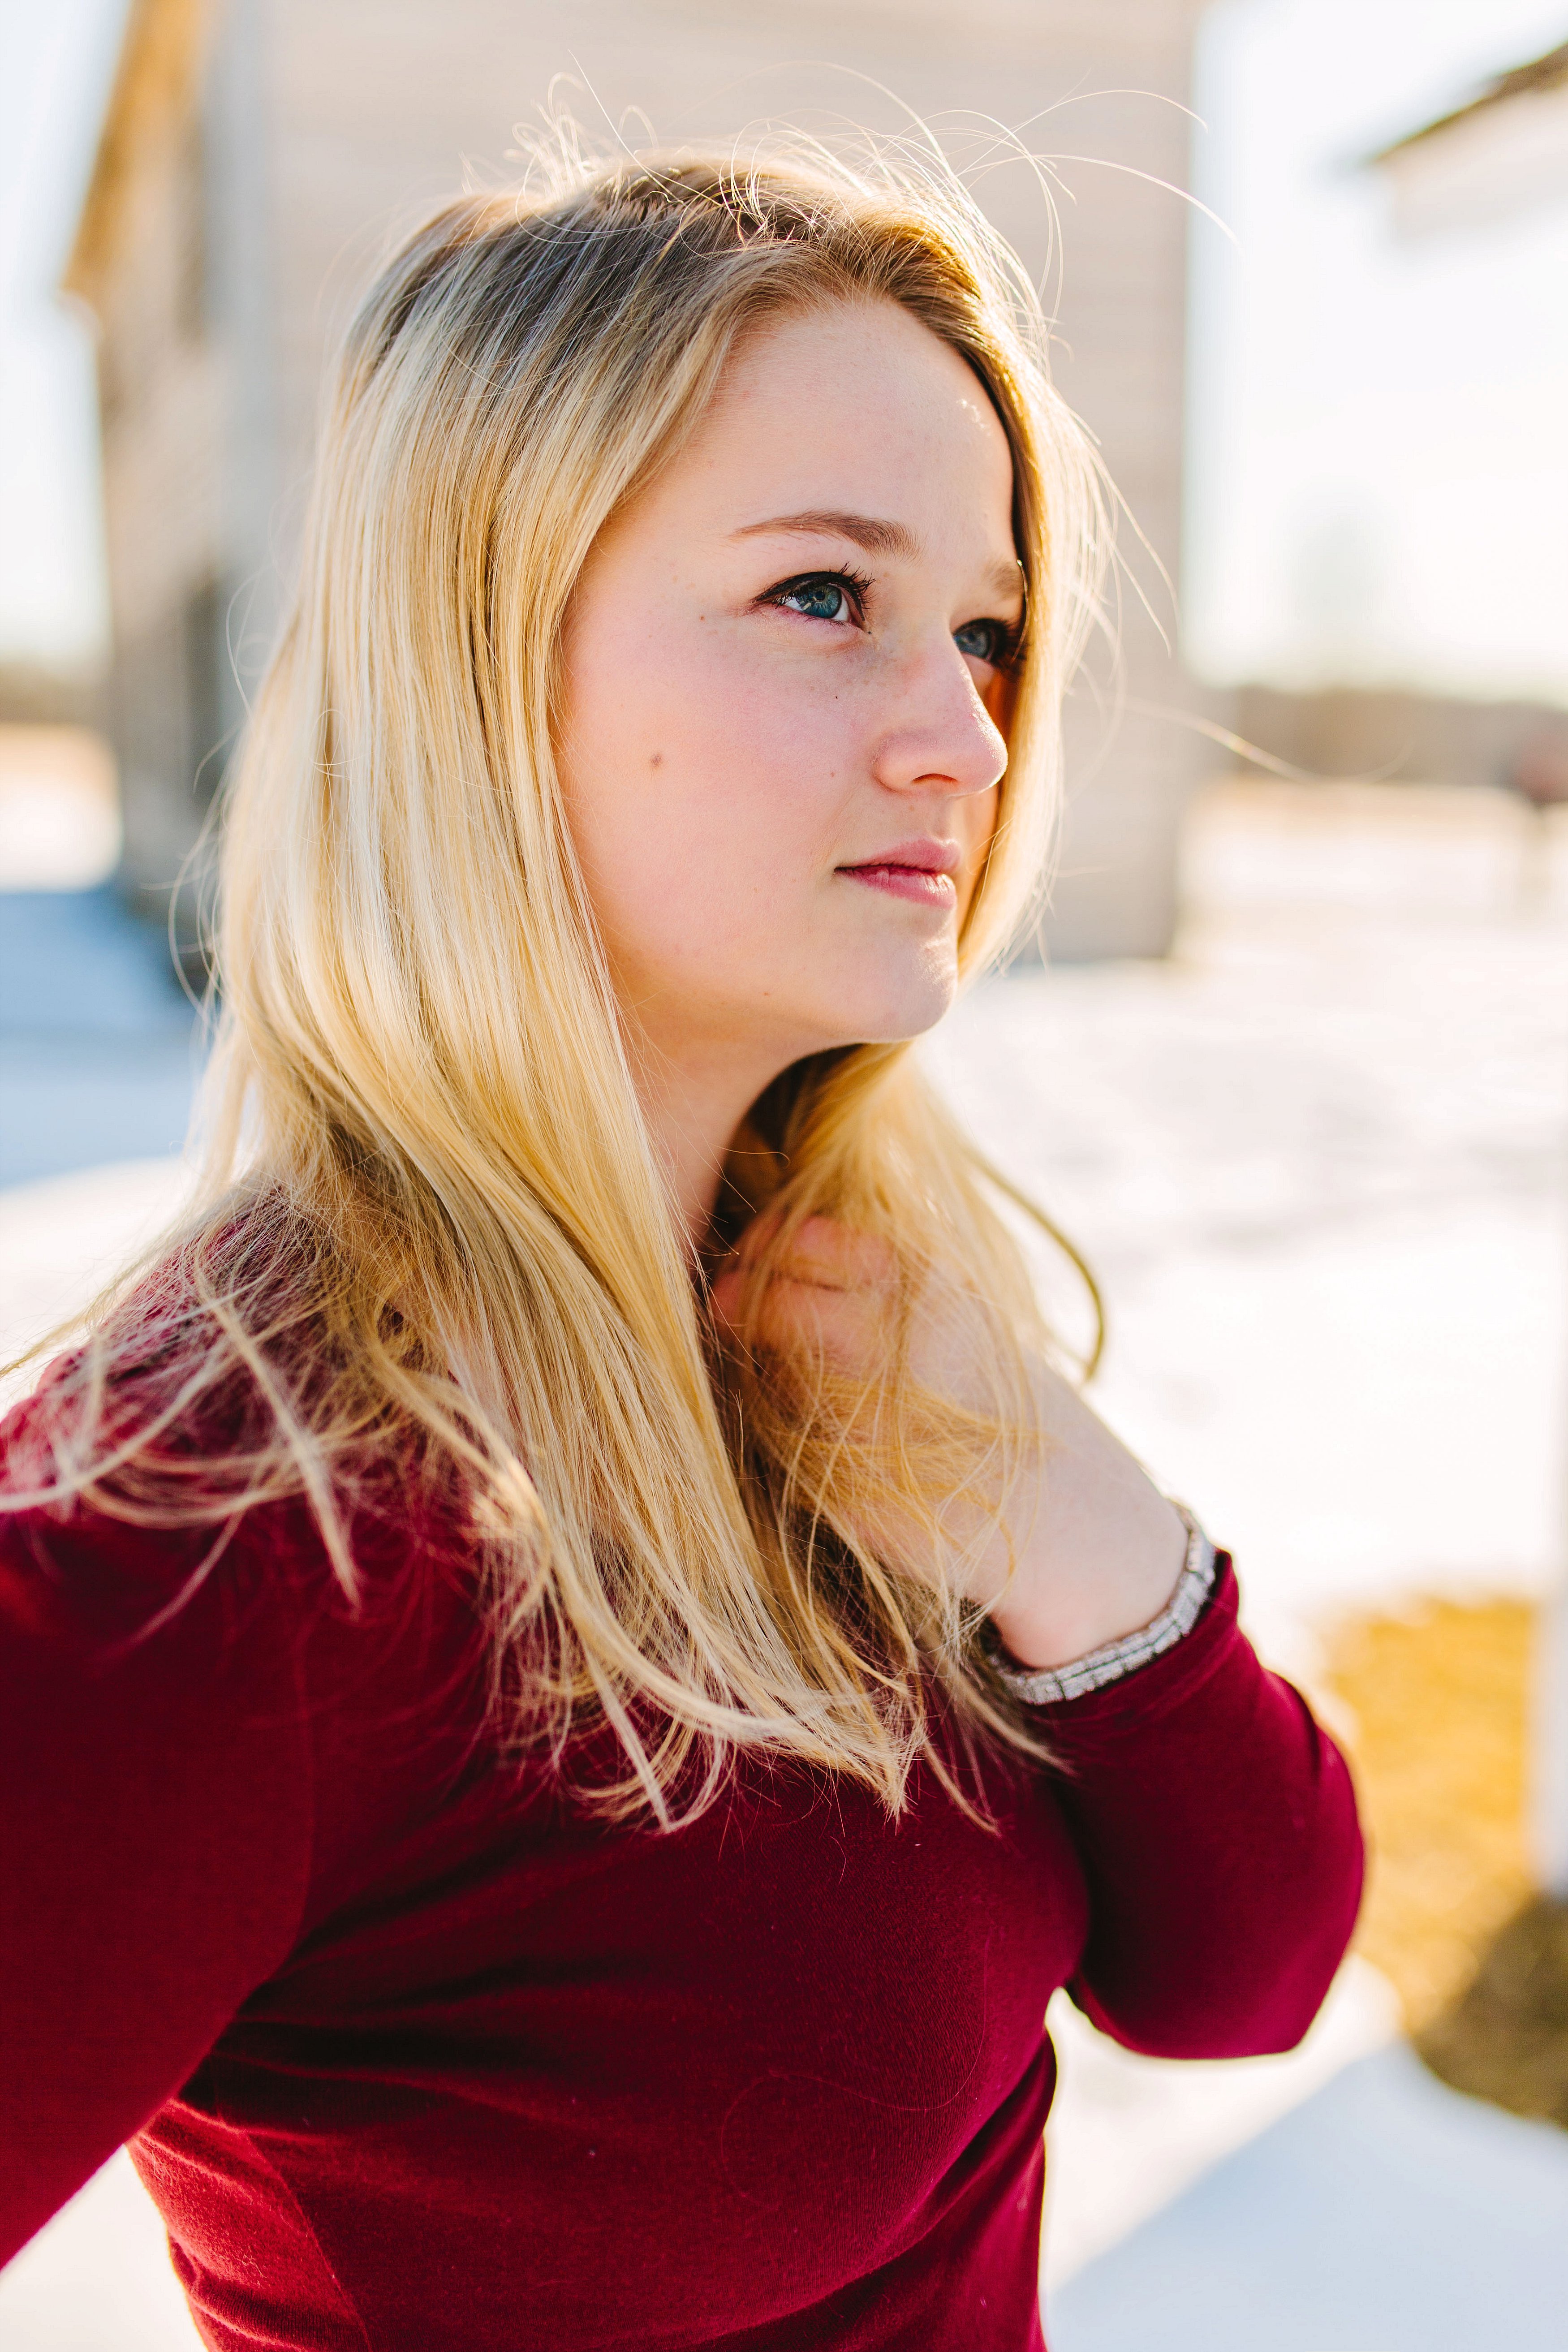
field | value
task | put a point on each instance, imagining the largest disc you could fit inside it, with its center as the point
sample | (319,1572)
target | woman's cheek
(772,783)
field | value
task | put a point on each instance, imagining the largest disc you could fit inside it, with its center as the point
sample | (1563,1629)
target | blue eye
(819,599)
(987,641)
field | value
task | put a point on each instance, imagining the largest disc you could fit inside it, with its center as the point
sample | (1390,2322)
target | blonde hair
(433,1225)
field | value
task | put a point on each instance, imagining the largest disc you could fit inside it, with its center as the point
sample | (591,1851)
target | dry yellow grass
(1438,1705)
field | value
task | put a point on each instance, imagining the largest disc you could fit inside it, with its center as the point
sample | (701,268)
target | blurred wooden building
(1502,154)
(256,153)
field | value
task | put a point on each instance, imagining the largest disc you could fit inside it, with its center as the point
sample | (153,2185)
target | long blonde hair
(433,1225)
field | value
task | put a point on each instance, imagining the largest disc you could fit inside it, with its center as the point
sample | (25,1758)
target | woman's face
(784,671)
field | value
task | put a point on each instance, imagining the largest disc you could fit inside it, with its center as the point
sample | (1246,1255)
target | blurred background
(1294,1070)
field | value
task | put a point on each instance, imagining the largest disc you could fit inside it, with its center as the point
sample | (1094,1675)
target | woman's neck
(693,1106)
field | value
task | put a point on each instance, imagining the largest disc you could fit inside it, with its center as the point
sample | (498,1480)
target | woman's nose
(939,733)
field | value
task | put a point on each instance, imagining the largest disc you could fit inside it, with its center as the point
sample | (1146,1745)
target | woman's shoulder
(87,1562)
(153,1461)
(185,1610)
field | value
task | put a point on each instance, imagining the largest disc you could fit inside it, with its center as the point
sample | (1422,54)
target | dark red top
(415,2057)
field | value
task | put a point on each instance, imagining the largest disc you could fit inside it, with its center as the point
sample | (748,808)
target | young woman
(574,1679)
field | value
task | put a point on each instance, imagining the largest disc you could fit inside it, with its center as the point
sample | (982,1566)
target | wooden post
(1551,1758)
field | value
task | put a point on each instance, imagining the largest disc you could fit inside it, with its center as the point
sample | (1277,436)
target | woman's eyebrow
(876,536)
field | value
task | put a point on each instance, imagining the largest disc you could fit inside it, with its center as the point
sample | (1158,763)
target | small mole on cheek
(656,760)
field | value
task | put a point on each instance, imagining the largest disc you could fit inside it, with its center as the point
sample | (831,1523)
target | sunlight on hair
(433,1250)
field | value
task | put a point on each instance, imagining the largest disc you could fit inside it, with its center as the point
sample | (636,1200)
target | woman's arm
(1216,1822)
(155,1835)
(1098,1548)
(1216,1826)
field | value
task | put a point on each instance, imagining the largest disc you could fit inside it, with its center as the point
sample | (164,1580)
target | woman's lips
(916,882)
(922,869)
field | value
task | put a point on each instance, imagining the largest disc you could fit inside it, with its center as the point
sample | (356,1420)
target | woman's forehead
(855,410)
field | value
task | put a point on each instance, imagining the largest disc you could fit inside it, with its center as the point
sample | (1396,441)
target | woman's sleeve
(1216,1826)
(155,1834)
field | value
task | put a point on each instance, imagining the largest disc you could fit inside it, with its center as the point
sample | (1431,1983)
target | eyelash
(858,587)
(855,584)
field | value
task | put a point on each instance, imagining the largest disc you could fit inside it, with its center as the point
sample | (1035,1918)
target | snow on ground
(1382,2214)
(97,2278)
(1317,1160)
(1128,2134)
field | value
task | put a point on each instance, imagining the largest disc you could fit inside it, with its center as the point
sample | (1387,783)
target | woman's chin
(905,1006)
